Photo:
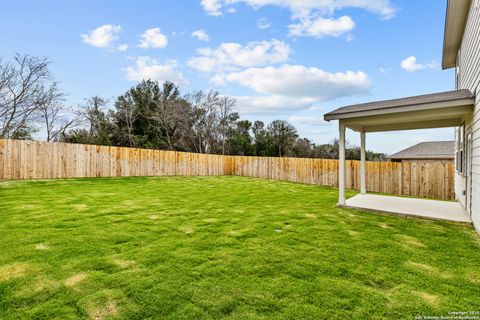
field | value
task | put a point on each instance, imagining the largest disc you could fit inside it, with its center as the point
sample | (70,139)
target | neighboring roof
(427,150)
(427,101)
(455,21)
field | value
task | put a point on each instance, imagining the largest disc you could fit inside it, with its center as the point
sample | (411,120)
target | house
(443,151)
(459,108)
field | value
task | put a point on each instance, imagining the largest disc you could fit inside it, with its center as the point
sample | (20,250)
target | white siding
(469,59)
(469,78)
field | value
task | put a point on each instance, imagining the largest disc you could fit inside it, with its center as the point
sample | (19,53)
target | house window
(460,150)
(468,160)
(457,70)
(457,77)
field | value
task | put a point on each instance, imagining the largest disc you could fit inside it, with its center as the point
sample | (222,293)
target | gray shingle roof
(403,102)
(427,150)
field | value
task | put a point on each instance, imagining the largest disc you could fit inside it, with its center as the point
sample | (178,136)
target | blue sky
(287,59)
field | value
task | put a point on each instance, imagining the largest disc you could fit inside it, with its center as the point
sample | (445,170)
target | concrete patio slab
(433,209)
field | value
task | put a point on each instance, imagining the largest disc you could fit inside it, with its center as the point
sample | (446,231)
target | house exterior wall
(468,77)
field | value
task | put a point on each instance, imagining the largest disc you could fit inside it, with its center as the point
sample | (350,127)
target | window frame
(460,150)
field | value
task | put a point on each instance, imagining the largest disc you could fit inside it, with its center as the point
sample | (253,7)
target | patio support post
(341,165)
(363,174)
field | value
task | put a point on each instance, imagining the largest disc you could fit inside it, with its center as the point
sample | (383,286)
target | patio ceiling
(438,110)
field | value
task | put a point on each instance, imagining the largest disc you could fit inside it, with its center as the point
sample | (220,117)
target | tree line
(149,115)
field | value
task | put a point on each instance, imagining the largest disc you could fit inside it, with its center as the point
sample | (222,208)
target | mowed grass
(222,247)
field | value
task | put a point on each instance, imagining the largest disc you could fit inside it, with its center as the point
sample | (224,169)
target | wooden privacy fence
(46,160)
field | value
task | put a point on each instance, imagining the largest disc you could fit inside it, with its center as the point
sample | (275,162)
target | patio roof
(437,110)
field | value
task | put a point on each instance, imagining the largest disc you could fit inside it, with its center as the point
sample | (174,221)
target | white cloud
(433,65)
(312,17)
(212,7)
(230,56)
(102,36)
(272,104)
(149,68)
(300,82)
(410,64)
(306,7)
(201,35)
(122,47)
(308,120)
(320,27)
(292,88)
(153,38)
(263,24)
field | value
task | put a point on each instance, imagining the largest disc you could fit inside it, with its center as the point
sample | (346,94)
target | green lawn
(222,247)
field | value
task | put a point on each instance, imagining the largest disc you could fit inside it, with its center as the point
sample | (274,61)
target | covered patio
(438,110)
(426,208)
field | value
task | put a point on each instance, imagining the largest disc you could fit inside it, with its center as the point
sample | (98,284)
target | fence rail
(21,160)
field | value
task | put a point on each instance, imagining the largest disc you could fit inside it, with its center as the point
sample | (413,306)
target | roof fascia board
(455,21)
(390,110)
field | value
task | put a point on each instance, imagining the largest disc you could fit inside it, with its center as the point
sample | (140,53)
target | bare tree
(127,113)
(23,85)
(204,120)
(56,117)
(225,108)
(95,114)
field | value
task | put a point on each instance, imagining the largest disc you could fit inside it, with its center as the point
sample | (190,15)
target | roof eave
(455,20)
(415,107)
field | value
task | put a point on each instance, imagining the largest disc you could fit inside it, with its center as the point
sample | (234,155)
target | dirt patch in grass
(427,297)
(421,266)
(100,313)
(12,271)
(473,277)
(233,233)
(438,228)
(28,206)
(397,295)
(428,269)
(409,240)
(187,230)
(128,203)
(124,263)
(79,206)
(103,194)
(42,246)
(39,285)
(75,279)
(353,233)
